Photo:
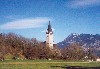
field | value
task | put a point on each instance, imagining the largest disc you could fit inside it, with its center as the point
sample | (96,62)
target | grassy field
(43,64)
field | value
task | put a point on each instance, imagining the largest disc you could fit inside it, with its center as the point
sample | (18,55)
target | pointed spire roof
(49,27)
(49,22)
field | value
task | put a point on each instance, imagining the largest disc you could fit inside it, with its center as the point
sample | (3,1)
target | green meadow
(44,64)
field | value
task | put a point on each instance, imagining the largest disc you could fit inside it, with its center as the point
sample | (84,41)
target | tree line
(13,46)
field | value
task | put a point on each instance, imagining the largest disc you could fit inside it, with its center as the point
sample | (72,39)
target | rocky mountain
(86,40)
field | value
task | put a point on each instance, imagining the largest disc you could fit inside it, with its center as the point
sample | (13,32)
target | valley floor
(46,64)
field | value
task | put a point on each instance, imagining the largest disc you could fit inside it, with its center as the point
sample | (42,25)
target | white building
(98,59)
(49,37)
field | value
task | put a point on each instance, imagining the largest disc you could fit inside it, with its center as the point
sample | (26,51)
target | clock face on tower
(50,33)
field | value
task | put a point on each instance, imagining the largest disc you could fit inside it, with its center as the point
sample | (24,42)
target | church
(49,37)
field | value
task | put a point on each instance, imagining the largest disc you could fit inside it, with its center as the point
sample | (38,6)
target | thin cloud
(53,29)
(14,17)
(26,23)
(82,3)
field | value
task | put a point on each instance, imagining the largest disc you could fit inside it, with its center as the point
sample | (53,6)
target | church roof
(49,27)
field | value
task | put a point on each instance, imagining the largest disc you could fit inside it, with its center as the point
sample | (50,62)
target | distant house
(98,59)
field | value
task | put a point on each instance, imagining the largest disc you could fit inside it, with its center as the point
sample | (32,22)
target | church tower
(49,37)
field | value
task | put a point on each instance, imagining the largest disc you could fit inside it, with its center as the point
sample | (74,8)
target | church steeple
(49,28)
(49,37)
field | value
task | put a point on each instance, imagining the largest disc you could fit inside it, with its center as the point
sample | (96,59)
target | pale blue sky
(30,18)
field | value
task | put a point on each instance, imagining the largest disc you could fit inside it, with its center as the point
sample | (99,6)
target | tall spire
(49,27)
(49,22)
(49,37)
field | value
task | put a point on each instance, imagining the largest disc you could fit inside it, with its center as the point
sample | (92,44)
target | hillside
(86,40)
